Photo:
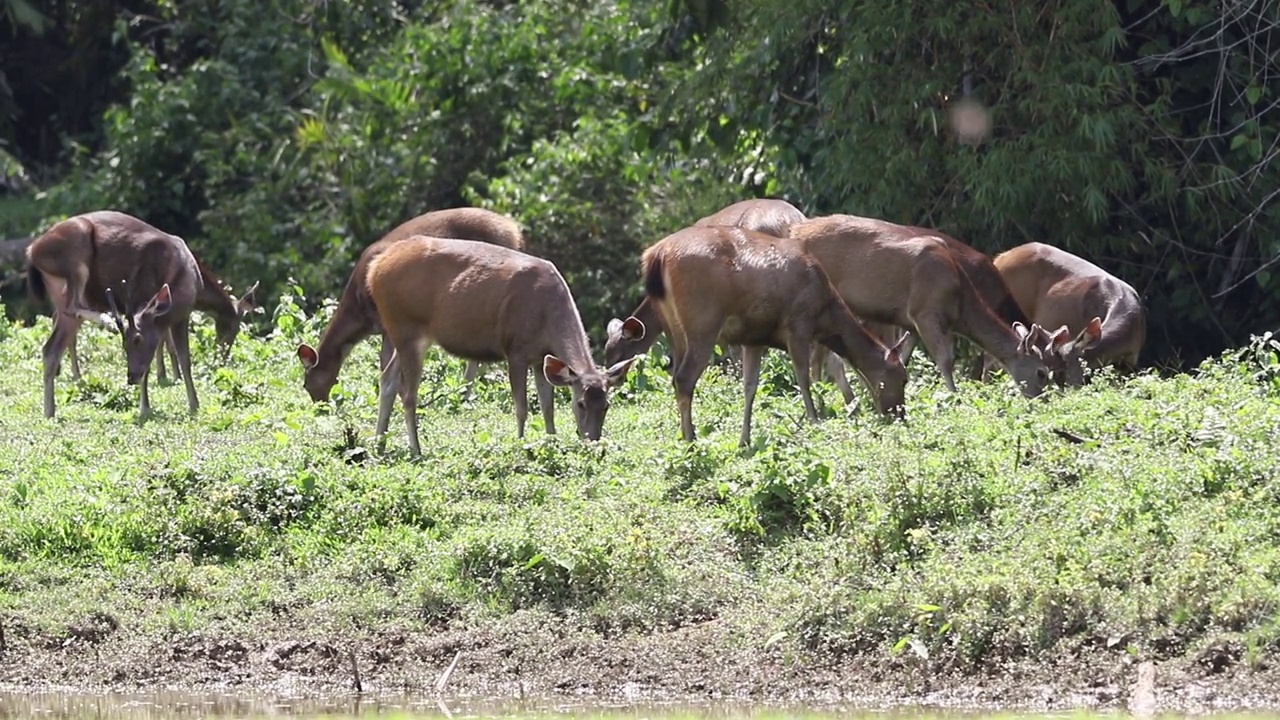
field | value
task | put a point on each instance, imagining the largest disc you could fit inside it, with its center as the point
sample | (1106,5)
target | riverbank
(990,550)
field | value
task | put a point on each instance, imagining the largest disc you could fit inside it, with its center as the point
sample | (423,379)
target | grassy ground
(968,542)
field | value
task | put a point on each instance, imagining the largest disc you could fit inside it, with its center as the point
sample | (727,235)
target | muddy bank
(535,654)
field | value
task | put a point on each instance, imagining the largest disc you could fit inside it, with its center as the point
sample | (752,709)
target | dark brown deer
(740,287)
(117,270)
(227,312)
(356,317)
(484,302)
(896,274)
(1100,318)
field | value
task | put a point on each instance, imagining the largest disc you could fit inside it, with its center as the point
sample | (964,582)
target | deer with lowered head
(634,336)
(356,317)
(214,299)
(923,281)
(119,271)
(1100,318)
(484,302)
(740,287)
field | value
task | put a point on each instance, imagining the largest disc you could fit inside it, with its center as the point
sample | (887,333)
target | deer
(83,263)
(1100,318)
(214,298)
(356,317)
(765,215)
(741,287)
(485,302)
(929,284)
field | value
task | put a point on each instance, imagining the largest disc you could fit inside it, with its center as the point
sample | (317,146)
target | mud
(538,655)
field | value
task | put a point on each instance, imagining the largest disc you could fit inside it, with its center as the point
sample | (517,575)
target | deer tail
(654,286)
(35,283)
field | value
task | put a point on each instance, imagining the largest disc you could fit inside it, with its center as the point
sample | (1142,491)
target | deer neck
(980,324)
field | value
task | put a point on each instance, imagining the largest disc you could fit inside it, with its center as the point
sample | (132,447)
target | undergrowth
(1139,514)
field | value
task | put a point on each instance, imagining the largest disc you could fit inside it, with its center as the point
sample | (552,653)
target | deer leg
(179,340)
(546,400)
(751,355)
(518,375)
(941,347)
(62,336)
(144,398)
(689,369)
(410,378)
(800,352)
(74,331)
(823,359)
(388,388)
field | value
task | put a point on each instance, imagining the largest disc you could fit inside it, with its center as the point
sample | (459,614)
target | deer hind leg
(546,400)
(178,338)
(751,356)
(689,369)
(388,388)
(74,321)
(63,335)
(410,363)
(518,376)
(162,376)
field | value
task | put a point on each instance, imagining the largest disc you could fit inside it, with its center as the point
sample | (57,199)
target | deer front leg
(941,346)
(469,378)
(179,340)
(751,355)
(518,375)
(546,400)
(799,351)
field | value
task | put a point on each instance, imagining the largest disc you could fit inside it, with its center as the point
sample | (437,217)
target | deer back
(772,217)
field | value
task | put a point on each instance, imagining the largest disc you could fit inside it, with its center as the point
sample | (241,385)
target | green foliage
(971,534)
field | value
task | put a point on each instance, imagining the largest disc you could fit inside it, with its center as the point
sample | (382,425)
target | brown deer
(214,299)
(356,317)
(1058,289)
(925,282)
(88,264)
(484,302)
(741,287)
(771,217)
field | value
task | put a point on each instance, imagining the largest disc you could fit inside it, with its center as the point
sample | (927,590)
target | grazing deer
(1058,289)
(214,299)
(926,282)
(356,317)
(484,302)
(771,217)
(90,262)
(768,216)
(741,287)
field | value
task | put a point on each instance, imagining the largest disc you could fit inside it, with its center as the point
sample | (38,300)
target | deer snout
(135,377)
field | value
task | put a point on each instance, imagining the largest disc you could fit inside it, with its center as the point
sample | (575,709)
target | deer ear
(308,355)
(558,371)
(248,302)
(1091,334)
(633,329)
(618,372)
(1059,337)
(898,348)
(159,304)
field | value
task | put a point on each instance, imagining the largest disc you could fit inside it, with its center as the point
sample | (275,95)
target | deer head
(624,340)
(590,390)
(140,331)
(228,326)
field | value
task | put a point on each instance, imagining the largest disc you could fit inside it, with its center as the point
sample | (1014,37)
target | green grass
(972,534)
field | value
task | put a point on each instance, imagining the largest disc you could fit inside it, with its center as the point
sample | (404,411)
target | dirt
(535,654)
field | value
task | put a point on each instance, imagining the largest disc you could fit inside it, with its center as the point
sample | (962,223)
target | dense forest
(281,138)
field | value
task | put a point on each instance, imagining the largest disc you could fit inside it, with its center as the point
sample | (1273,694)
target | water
(148,706)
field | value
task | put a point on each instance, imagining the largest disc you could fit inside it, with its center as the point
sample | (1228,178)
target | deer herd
(758,274)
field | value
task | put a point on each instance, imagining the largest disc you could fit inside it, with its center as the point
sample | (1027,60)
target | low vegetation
(1135,516)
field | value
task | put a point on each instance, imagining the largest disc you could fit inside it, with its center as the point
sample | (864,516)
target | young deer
(87,263)
(214,299)
(356,317)
(487,303)
(741,287)
(894,274)
(1058,289)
